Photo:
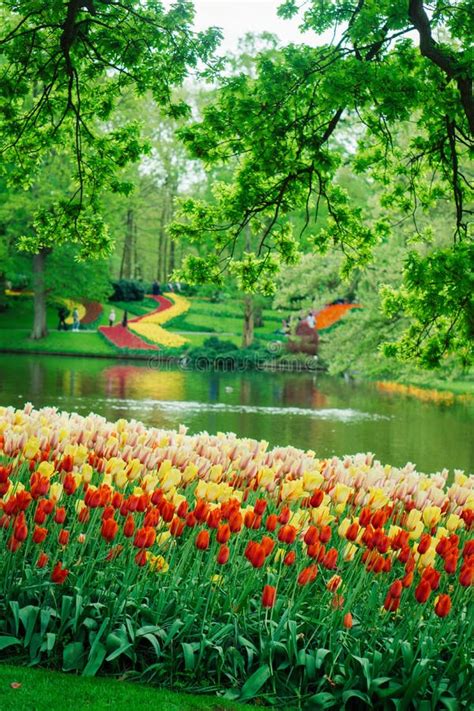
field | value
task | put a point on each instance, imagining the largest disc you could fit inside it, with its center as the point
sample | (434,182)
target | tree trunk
(161,265)
(39,324)
(247,335)
(126,268)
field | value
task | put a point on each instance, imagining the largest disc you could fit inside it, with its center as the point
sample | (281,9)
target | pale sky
(237,17)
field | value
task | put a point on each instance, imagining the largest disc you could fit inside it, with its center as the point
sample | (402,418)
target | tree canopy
(390,95)
(63,68)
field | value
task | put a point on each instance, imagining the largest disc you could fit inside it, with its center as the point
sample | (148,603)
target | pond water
(307,410)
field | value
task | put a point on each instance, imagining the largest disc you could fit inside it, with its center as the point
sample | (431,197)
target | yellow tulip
(121,479)
(46,469)
(200,490)
(163,537)
(265,477)
(86,473)
(341,493)
(292,490)
(157,563)
(460,478)
(171,479)
(416,531)
(349,552)
(190,473)
(427,558)
(343,526)
(134,469)
(378,498)
(312,480)
(79,506)
(454,522)
(321,516)
(431,516)
(31,448)
(56,491)
(413,518)
(215,473)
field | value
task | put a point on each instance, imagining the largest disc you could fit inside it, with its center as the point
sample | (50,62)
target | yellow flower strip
(150,326)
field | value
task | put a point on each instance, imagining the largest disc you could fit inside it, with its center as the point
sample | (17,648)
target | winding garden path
(124,338)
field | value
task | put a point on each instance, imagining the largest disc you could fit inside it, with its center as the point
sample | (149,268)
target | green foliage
(65,67)
(284,127)
(128,290)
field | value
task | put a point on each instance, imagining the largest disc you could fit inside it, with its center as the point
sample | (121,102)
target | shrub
(128,290)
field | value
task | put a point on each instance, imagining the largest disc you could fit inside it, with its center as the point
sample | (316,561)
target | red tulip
(177,527)
(63,537)
(284,515)
(365,516)
(42,560)
(347,621)
(424,543)
(352,531)
(20,529)
(236,522)
(396,588)
(268,544)
(443,605)
(268,596)
(129,526)
(466,576)
(391,603)
(59,573)
(422,591)
(223,533)
(290,558)
(202,540)
(223,555)
(330,559)
(325,534)
(167,511)
(109,529)
(140,558)
(307,575)
(152,518)
(317,498)
(451,563)
(144,537)
(311,536)
(260,506)
(287,533)
(271,522)
(60,514)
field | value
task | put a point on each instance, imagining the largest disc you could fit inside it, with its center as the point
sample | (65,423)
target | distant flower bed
(329,315)
(150,326)
(426,394)
(216,562)
(71,304)
(93,312)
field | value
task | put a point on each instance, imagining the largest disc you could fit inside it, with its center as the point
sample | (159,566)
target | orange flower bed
(331,314)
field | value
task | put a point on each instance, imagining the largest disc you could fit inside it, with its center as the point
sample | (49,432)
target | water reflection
(320,413)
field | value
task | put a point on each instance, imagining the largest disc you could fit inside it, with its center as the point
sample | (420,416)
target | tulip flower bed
(331,314)
(209,563)
(150,327)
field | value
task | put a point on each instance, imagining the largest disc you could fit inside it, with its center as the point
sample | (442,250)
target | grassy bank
(42,690)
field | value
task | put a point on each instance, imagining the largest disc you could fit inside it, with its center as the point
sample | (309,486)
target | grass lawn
(81,343)
(43,690)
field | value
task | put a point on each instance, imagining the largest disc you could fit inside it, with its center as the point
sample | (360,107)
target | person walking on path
(75,319)
(125,319)
(112,317)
